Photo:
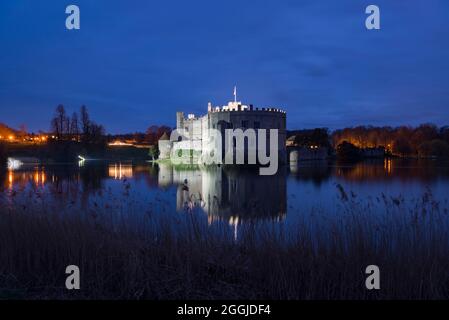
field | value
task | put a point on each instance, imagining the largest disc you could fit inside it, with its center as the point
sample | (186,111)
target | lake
(300,193)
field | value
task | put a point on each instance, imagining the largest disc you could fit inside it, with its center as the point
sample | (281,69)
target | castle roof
(164,136)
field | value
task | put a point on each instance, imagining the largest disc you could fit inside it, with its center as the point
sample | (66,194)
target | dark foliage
(3,155)
(314,137)
(73,138)
(348,152)
(426,140)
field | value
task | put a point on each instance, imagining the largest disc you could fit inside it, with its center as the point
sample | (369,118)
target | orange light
(10,178)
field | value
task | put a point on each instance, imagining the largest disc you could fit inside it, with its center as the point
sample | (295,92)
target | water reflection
(20,179)
(231,195)
(120,171)
(317,171)
(423,170)
(420,170)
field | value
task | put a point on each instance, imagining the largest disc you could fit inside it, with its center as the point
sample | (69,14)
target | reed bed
(132,250)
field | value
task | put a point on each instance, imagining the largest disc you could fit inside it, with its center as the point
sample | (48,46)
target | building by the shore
(234,115)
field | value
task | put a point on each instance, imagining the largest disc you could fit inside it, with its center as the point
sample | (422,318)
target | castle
(234,115)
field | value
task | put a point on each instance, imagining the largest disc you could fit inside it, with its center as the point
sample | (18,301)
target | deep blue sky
(135,63)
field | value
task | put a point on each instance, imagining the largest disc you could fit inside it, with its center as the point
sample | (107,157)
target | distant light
(11,137)
(14,164)
(81,158)
(119,143)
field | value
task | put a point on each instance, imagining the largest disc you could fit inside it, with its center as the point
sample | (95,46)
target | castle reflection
(233,196)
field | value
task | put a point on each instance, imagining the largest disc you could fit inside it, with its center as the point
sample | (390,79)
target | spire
(235,94)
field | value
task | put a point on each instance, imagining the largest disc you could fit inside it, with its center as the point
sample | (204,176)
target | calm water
(234,197)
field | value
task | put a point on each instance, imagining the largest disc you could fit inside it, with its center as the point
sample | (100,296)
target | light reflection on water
(120,171)
(230,195)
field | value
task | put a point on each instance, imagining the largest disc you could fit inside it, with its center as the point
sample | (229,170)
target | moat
(296,194)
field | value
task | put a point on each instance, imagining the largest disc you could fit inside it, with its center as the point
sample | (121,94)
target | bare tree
(96,134)
(74,127)
(59,122)
(55,127)
(85,121)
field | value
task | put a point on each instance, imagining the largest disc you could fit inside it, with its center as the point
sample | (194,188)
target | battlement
(239,107)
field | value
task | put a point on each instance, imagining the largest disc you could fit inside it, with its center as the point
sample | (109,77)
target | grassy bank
(68,152)
(181,257)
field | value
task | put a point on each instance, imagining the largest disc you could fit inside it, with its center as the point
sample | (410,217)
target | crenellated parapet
(239,107)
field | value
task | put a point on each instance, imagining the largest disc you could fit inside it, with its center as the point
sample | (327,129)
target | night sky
(135,63)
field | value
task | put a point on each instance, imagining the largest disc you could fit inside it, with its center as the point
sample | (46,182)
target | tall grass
(179,256)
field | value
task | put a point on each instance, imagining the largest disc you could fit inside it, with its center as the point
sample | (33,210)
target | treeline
(151,136)
(77,128)
(311,137)
(425,140)
(6,131)
(73,136)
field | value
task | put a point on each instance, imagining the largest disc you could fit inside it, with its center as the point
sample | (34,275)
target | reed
(139,251)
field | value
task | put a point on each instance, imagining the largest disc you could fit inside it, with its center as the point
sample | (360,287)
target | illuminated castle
(234,115)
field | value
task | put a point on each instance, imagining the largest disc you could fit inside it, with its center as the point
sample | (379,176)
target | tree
(59,124)
(421,134)
(403,140)
(163,129)
(62,119)
(154,152)
(153,133)
(96,134)
(74,127)
(55,128)
(434,148)
(401,146)
(22,130)
(444,133)
(91,133)
(348,151)
(85,121)
(314,137)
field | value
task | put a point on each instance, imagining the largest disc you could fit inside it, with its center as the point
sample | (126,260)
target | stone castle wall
(197,129)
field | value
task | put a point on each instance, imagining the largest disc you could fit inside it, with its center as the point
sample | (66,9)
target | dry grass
(158,256)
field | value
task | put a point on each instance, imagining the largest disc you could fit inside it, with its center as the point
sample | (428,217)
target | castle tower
(165,146)
(179,120)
